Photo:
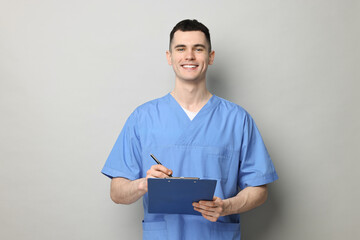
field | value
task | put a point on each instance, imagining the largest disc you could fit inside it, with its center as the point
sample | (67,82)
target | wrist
(227,207)
(142,185)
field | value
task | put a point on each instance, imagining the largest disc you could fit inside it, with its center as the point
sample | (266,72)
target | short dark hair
(191,25)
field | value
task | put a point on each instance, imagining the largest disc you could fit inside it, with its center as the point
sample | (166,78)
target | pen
(157,161)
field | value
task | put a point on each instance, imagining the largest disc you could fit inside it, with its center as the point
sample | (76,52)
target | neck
(191,96)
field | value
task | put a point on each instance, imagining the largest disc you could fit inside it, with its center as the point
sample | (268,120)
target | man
(195,134)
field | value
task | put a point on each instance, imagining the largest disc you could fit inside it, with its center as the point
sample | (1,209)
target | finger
(214,203)
(158,171)
(207,203)
(217,208)
(203,208)
(155,174)
(211,216)
(161,168)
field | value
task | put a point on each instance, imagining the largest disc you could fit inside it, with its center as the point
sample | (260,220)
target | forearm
(125,191)
(245,200)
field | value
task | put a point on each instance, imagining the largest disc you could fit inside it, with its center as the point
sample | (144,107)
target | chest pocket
(217,163)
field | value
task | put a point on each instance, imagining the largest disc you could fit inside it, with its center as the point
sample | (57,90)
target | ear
(168,57)
(211,57)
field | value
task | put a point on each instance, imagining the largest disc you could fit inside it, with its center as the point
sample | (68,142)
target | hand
(211,210)
(156,171)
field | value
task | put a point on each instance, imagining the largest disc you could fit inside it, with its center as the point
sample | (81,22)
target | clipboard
(176,195)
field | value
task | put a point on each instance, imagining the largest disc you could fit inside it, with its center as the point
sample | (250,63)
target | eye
(180,49)
(199,49)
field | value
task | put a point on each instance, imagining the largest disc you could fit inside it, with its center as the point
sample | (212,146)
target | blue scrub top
(222,142)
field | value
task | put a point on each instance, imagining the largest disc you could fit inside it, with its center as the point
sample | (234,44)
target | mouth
(189,66)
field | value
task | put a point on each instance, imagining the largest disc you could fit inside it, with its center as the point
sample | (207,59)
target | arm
(245,200)
(125,191)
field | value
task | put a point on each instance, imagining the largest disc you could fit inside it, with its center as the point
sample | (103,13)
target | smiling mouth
(189,66)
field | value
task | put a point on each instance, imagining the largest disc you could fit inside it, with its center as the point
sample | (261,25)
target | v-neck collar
(211,103)
(190,127)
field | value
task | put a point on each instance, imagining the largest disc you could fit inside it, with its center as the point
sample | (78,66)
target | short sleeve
(256,167)
(124,159)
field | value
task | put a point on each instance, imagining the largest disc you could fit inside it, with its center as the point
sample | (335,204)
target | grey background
(72,71)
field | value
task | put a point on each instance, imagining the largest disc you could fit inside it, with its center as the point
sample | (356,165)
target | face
(189,55)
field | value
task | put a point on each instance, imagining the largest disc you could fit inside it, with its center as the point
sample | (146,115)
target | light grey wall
(72,71)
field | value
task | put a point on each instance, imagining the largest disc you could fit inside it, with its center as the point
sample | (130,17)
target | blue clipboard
(176,195)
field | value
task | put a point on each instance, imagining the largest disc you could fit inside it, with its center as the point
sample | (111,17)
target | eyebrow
(196,45)
(179,46)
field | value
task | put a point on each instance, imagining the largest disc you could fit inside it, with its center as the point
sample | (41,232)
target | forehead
(189,38)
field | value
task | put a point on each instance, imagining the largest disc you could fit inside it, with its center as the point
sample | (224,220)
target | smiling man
(194,133)
(190,54)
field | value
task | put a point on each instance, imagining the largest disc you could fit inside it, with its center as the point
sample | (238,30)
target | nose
(190,55)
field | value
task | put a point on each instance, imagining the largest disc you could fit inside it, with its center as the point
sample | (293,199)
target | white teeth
(189,66)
